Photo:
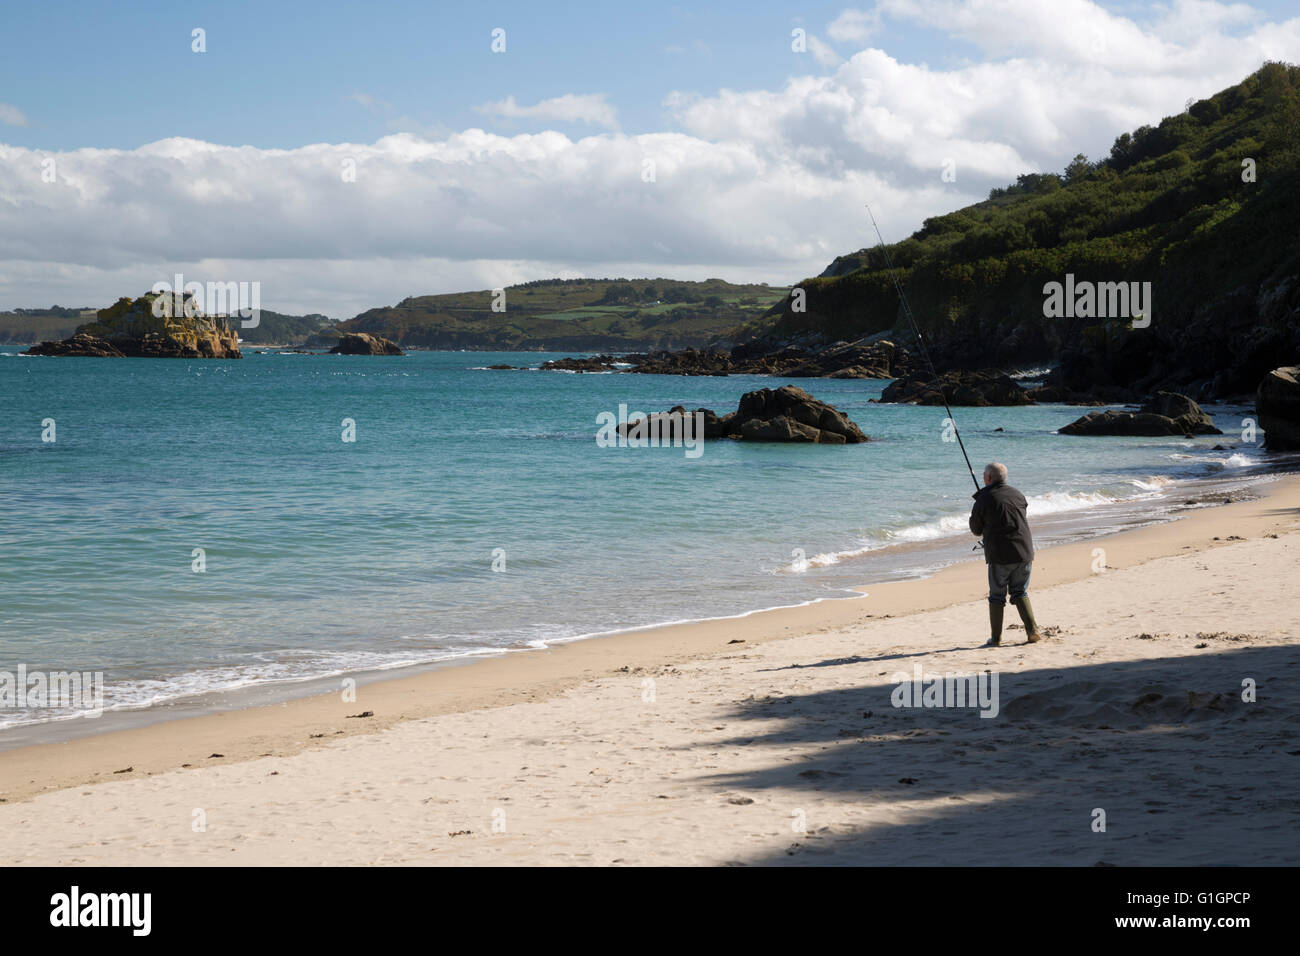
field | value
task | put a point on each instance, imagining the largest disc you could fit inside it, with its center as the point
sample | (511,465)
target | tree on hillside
(1078,168)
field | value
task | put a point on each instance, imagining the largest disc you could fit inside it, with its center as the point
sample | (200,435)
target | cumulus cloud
(393,207)
(589,108)
(753,184)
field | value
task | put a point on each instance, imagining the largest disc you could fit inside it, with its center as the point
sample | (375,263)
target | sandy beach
(768,739)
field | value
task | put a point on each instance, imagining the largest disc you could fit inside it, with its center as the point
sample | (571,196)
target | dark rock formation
(166,325)
(786,414)
(989,387)
(598,363)
(1167,413)
(1277,399)
(363,343)
(80,344)
(860,359)
(684,362)
(1185,413)
(1111,422)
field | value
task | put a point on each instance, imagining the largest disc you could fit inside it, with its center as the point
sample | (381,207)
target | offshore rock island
(135,328)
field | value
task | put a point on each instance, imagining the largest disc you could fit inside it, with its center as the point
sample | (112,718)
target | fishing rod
(907,310)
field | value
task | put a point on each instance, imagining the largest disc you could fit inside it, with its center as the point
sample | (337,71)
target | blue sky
(279,75)
(226,163)
(282,74)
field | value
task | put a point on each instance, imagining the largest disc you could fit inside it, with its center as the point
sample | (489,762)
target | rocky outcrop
(988,387)
(1277,400)
(363,343)
(786,414)
(860,359)
(166,325)
(1166,413)
(79,344)
(1186,414)
(684,362)
(598,363)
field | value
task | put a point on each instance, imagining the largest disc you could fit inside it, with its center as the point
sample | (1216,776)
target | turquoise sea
(324,557)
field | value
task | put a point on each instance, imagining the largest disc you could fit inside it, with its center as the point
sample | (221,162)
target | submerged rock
(156,325)
(363,343)
(1277,399)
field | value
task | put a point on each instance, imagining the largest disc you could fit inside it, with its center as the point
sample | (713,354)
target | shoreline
(310,723)
(1052,530)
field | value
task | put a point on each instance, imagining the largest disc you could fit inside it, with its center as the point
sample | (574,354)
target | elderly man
(999,516)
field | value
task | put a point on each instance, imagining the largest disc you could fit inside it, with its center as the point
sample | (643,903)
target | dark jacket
(1000,516)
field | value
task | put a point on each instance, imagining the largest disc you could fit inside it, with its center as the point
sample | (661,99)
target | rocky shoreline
(1163,412)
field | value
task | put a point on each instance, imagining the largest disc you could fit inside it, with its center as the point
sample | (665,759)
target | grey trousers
(1012,577)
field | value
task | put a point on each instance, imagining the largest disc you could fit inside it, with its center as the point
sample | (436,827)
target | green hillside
(574,314)
(28,326)
(276,328)
(1168,206)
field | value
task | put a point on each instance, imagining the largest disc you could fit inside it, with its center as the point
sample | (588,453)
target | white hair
(995,470)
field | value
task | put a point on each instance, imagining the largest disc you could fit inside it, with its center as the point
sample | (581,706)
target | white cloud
(12,115)
(472,197)
(589,108)
(758,184)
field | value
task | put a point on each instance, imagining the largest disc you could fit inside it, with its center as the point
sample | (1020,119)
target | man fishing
(1000,517)
(1000,513)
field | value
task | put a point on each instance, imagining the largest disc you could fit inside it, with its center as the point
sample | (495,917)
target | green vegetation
(276,328)
(1171,204)
(572,314)
(29,326)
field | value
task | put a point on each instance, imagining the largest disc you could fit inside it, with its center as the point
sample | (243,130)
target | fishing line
(907,310)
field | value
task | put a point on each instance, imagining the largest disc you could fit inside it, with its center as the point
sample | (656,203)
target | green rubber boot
(1027,616)
(995,625)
